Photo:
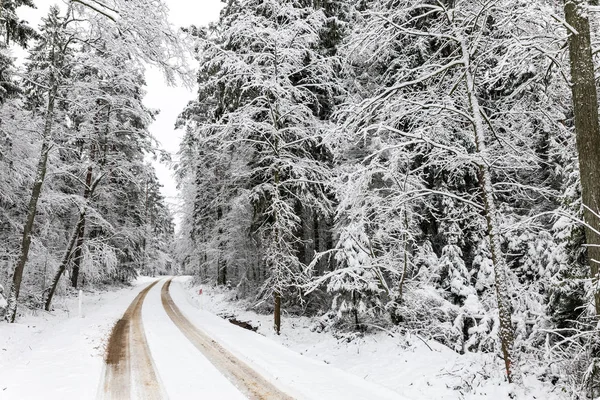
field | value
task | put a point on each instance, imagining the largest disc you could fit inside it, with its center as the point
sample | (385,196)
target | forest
(432,165)
(80,203)
(429,166)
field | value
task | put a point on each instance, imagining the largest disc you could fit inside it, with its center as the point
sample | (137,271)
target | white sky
(169,100)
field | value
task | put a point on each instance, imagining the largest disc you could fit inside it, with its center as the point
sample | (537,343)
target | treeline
(80,203)
(404,162)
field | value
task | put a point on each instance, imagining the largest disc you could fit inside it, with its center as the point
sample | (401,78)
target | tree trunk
(277,293)
(405,258)
(308,235)
(506,332)
(355,311)
(65,260)
(221,264)
(587,130)
(277,313)
(322,239)
(78,255)
(32,208)
(74,239)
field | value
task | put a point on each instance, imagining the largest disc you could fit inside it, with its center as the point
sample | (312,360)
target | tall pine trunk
(36,190)
(277,294)
(71,250)
(65,260)
(78,254)
(506,331)
(587,130)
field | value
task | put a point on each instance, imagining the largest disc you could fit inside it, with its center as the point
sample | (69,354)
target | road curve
(129,371)
(248,381)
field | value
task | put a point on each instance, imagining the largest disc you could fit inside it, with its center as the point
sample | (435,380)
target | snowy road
(129,363)
(165,347)
(182,352)
(243,376)
(190,361)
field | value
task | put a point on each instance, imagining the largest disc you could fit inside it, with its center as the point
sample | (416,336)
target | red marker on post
(200,291)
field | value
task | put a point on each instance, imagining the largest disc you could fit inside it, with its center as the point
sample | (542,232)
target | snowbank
(300,377)
(406,364)
(60,355)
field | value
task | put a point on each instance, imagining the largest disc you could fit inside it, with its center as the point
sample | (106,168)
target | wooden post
(277,312)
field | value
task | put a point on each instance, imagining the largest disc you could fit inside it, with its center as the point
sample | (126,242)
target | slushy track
(241,375)
(129,367)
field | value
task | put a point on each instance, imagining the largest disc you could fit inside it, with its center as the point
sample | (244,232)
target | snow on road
(128,361)
(301,377)
(185,373)
(60,356)
(63,357)
(243,376)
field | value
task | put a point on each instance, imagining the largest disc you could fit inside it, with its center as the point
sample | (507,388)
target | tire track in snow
(129,370)
(239,373)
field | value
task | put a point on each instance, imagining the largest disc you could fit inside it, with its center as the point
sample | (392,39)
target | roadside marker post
(200,301)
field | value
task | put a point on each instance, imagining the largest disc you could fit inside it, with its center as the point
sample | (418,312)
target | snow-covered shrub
(100,262)
(356,283)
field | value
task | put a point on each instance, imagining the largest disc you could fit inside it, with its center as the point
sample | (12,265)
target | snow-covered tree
(421,83)
(84,94)
(267,85)
(47,63)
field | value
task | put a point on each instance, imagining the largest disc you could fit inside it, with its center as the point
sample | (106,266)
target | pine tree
(267,87)
(12,30)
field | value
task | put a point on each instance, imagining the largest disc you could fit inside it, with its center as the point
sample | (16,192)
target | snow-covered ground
(59,355)
(184,373)
(413,368)
(301,377)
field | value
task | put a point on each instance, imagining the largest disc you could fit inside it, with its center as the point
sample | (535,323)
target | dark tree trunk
(223,271)
(221,264)
(36,190)
(78,255)
(321,234)
(277,313)
(308,235)
(587,130)
(65,261)
(355,311)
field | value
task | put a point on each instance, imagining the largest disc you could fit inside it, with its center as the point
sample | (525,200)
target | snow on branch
(565,24)
(143,33)
(99,8)
(425,77)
